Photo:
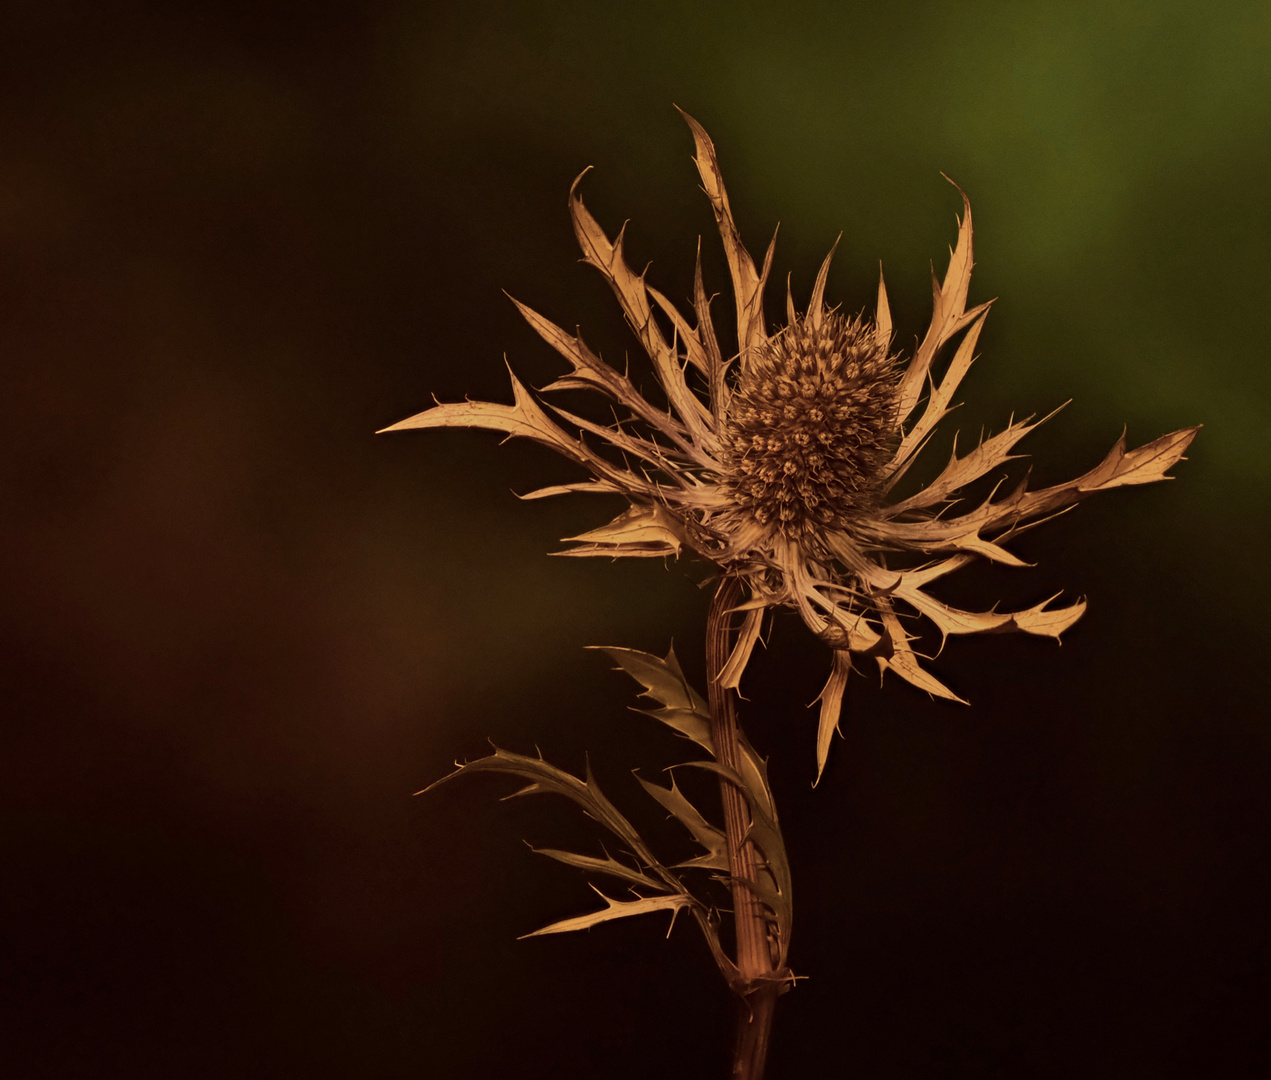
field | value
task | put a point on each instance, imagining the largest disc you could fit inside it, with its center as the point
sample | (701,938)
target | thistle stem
(754,958)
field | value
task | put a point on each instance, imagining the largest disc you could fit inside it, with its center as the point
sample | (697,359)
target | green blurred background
(239,630)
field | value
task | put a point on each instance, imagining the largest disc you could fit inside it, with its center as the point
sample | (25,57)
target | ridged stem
(754,959)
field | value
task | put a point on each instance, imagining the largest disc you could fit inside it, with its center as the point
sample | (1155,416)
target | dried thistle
(776,464)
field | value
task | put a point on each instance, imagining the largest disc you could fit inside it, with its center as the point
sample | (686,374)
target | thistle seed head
(812,422)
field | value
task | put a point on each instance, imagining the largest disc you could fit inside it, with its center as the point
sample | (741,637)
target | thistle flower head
(810,426)
(777,464)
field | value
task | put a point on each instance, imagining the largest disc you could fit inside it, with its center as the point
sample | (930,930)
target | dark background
(238,630)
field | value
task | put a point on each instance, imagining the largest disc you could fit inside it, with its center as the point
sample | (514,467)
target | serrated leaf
(941,395)
(720,393)
(591,371)
(948,316)
(617,909)
(707,835)
(1021,508)
(662,678)
(685,711)
(646,530)
(633,297)
(607,865)
(546,778)
(748,284)
(525,419)
(1046,622)
(687,722)
(1145,465)
(904,662)
(773,888)
(960,471)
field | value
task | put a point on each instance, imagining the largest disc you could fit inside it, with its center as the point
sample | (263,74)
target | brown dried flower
(776,464)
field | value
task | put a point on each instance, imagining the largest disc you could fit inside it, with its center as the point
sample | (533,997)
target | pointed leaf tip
(882,314)
(831,699)
(816,308)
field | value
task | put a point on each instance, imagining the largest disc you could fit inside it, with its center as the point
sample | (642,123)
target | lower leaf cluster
(654,885)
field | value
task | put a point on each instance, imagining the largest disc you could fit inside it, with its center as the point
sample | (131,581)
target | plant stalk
(757,990)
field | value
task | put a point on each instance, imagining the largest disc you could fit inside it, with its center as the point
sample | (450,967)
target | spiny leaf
(706,834)
(902,659)
(687,722)
(748,284)
(960,471)
(1119,468)
(1145,465)
(523,419)
(633,297)
(639,530)
(544,777)
(591,372)
(1049,623)
(949,315)
(831,699)
(662,678)
(774,885)
(950,620)
(659,457)
(694,349)
(685,711)
(617,909)
(720,394)
(607,865)
(938,402)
